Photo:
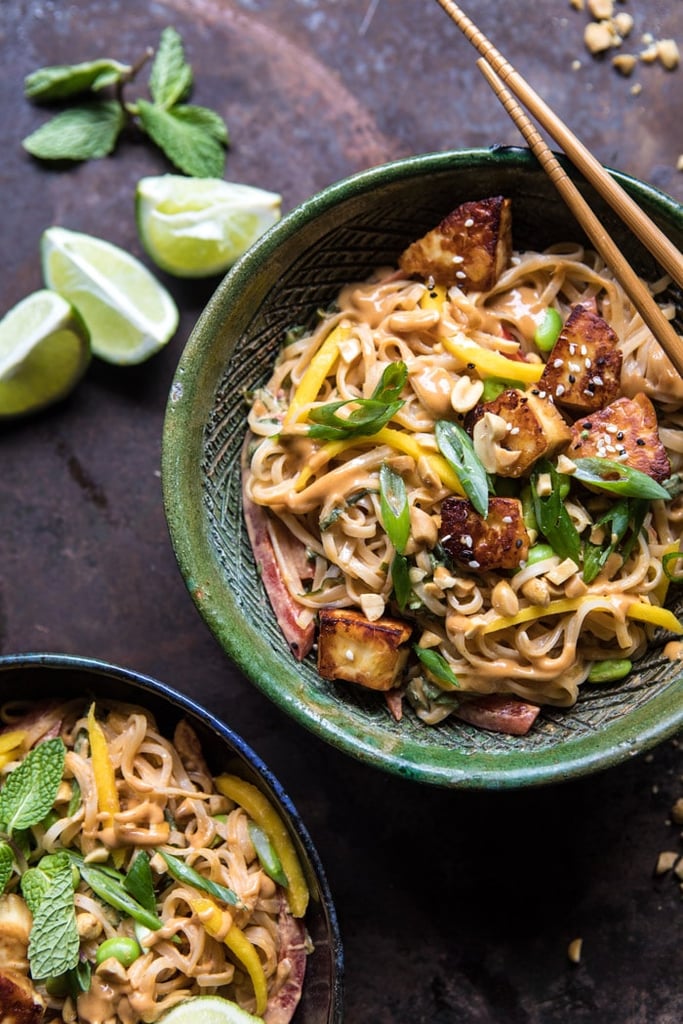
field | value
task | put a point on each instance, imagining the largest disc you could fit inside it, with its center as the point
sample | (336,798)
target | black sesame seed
(572,378)
(587,425)
(518,542)
(620,435)
(470,366)
(640,441)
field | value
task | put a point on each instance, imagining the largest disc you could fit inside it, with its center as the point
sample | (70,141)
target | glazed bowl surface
(341,235)
(44,676)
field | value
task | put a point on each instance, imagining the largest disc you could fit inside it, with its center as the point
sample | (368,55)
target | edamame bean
(609,670)
(123,949)
(538,553)
(548,330)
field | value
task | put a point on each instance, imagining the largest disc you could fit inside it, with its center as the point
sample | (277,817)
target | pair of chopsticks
(507,84)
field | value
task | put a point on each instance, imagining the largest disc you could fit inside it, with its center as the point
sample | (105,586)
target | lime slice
(129,314)
(208,1010)
(44,352)
(196,227)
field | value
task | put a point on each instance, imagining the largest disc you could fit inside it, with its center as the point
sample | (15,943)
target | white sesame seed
(575,367)
(474,565)
(469,223)
(458,259)
(466,540)
(460,274)
(588,363)
(584,350)
(559,390)
(611,428)
(349,655)
(597,380)
(514,430)
(507,519)
(572,350)
(557,363)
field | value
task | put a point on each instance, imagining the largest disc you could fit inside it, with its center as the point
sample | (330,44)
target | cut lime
(44,352)
(129,314)
(196,227)
(208,1010)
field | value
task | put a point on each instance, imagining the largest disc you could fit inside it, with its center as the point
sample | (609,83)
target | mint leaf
(204,118)
(63,80)
(36,882)
(181,133)
(30,790)
(6,865)
(79,133)
(54,943)
(170,79)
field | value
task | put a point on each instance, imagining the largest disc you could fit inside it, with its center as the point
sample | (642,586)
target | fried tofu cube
(625,431)
(19,1001)
(583,371)
(471,247)
(350,647)
(514,430)
(498,542)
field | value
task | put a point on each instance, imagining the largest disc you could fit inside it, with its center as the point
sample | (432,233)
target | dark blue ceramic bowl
(36,676)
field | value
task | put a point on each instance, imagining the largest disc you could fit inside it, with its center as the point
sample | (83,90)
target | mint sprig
(6,864)
(54,942)
(30,790)
(193,138)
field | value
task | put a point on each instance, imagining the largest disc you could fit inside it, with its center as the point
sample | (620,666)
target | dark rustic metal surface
(454,907)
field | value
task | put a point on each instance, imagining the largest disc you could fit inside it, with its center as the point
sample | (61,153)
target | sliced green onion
(548,331)
(267,857)
(629,482)
(455,444)
(437,665)
(400,579)
(553,520)
(394,507)
(139,882)
(368,415)
(672,556)
(182,872)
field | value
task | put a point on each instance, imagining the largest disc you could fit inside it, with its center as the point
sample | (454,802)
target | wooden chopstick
(661,247)
(603,242)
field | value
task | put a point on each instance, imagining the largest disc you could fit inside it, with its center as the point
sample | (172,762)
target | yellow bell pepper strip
(105,779)
(314,377)
(399,440)
(434,298)
(10,745)
(259,808)
(493,364)
(239,945)
(635,610)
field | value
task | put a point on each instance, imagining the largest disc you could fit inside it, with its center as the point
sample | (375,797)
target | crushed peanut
(666,861)
(574,950)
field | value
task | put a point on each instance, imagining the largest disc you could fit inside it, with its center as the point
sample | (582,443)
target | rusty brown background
(454,907)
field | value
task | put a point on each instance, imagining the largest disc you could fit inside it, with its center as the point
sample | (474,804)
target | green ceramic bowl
(339,235)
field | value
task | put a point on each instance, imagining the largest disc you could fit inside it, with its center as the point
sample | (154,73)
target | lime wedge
(208,1010)
(196,227)
(44,352)
(129,314)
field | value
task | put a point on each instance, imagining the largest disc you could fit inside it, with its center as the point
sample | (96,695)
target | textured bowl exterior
(40,676)
(343,234)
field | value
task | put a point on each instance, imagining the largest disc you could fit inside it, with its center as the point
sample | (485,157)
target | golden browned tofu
(19,1001)
(583,371)
(498,542)
(15,928)
(626,431)
(516,429)
(351,647)
(470,247)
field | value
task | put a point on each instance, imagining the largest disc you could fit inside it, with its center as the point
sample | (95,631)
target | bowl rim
(184,704)
(182,452)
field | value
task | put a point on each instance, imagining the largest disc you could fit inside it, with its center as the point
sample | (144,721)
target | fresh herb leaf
(552,518)
(61,81)
(6,864)
(368,416)
(437,665)
(30,790)
(37,881)
(78,979)
(108,885)
(595,556)
(54,942)
(400,579)
(170,79)
(140,884)
(617,478)
(394,507)
(79,133)
(455,444)
(181,133)
(182,872)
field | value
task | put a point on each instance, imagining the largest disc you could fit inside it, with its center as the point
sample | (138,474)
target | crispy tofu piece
(498,542)
(626,431)
(583,371)
(517,428)
(351,647)
(15,927)
(470,247)
(19,1001)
